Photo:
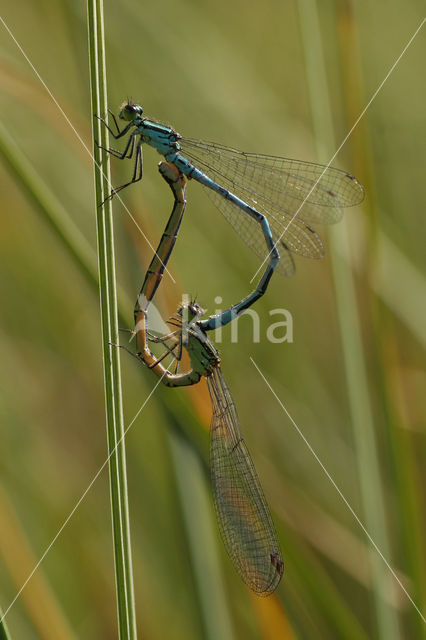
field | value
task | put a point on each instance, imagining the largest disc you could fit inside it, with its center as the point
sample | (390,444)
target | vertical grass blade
(202,541)
(314,583)
(400,446)
(109,320)
(367,460)
(4,634)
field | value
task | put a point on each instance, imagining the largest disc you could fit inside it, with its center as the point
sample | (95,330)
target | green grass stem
(361,410)
(203,543)
(110,334)
(4,633)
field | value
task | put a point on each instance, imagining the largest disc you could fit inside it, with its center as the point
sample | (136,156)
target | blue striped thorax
(163,139)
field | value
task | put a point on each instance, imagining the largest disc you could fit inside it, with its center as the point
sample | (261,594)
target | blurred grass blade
(4,634)
(109,320)
(48,205)
(44,609)
(198,517)
(312,579)
(402,287)
(399,445)
(54,213)
(367,459)
(273,618)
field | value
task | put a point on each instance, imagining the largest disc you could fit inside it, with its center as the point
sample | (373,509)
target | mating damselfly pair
(259,195)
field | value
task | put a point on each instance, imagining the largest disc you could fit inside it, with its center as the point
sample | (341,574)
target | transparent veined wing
(282,182)
(286,191)
(245,521)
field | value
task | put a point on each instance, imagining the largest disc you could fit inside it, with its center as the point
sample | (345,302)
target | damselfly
(243,514)
(278,194)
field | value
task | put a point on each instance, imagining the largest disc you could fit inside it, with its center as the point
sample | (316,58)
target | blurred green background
(285,78)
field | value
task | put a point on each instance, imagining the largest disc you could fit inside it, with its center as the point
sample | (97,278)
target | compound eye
(129,111)
(134,108)
(196,309)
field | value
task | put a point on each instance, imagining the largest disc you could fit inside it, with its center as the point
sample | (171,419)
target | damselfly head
(190,311)
(195,309)
(129,111)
